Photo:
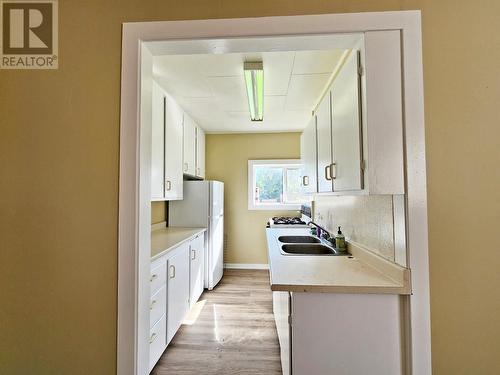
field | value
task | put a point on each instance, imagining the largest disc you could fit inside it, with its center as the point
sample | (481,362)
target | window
(274,184)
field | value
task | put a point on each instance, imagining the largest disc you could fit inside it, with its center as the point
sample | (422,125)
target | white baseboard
(246,266)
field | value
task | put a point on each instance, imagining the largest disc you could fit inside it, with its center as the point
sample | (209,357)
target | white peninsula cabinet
(166,150)
(359,123)
(328,333)
(177,275)
(339,315)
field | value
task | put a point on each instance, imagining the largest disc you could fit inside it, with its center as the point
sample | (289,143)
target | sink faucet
(320,230)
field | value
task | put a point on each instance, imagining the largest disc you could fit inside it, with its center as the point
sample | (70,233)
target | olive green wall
(59,137)
(227,158)
(158,212)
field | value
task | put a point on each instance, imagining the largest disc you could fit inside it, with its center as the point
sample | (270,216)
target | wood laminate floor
(230,331)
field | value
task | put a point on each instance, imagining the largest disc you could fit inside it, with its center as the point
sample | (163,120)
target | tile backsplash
(365,219)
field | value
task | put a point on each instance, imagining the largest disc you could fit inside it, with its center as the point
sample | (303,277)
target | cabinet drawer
(158,306)
(157,341)
(158,276)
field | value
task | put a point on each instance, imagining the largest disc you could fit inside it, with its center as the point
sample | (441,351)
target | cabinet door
(157,145)
(173,150)
(200,152)
(308,155)
(178,289)
(189,164)
(324,132)
(281,311)
(346,127)
(196,272)
(384,112)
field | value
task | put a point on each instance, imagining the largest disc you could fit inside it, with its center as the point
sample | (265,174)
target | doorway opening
(171,45)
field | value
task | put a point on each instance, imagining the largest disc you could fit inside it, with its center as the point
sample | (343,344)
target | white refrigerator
(203,206)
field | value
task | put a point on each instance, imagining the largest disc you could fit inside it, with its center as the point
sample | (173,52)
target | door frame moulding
(134,227)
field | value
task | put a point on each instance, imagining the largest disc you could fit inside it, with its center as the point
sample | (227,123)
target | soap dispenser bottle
(340,241)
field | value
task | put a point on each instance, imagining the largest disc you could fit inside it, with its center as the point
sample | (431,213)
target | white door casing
(135,161)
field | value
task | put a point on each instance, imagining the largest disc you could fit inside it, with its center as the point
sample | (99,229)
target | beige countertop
(165,239)
(362,273)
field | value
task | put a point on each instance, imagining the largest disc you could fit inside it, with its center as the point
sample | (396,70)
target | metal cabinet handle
(152,338)
(193,254)
(328,172)
(168,185)
(333,171)
(153,303)
(172,272)
(151,279)
(186,167)
(305,180)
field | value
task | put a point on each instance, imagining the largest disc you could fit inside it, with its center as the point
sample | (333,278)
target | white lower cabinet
(330,333)
(176,285)
(157,306)
(196,274)
(178,289)
(157,343)
(158,310)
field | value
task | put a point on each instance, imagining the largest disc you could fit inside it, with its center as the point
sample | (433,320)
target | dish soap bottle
(340,241)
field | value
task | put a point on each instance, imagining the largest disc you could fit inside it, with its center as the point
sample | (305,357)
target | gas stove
(286,222)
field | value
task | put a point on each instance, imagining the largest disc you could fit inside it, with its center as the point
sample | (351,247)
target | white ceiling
(211,87)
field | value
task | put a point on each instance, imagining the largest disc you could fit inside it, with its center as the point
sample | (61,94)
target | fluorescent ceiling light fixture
(254,82)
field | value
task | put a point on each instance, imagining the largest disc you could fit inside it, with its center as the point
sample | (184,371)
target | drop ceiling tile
(221,65)
(274,103)
(277,71)
(304,91)
(238,115)
(211,89)
(229,92)
(315,62)
(189,86)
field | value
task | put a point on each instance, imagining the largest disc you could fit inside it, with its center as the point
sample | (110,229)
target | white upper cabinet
(339,137)
(200,152)
(189,161)
(384,112)
(324,143)
(166,147)
(346,170)
(158,145)
(308,155)
(359,137)
(173,150)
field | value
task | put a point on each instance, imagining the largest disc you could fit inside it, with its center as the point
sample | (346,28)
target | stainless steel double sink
(306,245)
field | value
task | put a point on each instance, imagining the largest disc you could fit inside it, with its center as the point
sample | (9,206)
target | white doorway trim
(134,201)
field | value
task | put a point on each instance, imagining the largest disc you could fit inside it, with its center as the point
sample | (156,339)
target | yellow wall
(227,160)
(157,212)
(59,136)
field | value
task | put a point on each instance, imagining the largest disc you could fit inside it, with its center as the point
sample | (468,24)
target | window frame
(283,163)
